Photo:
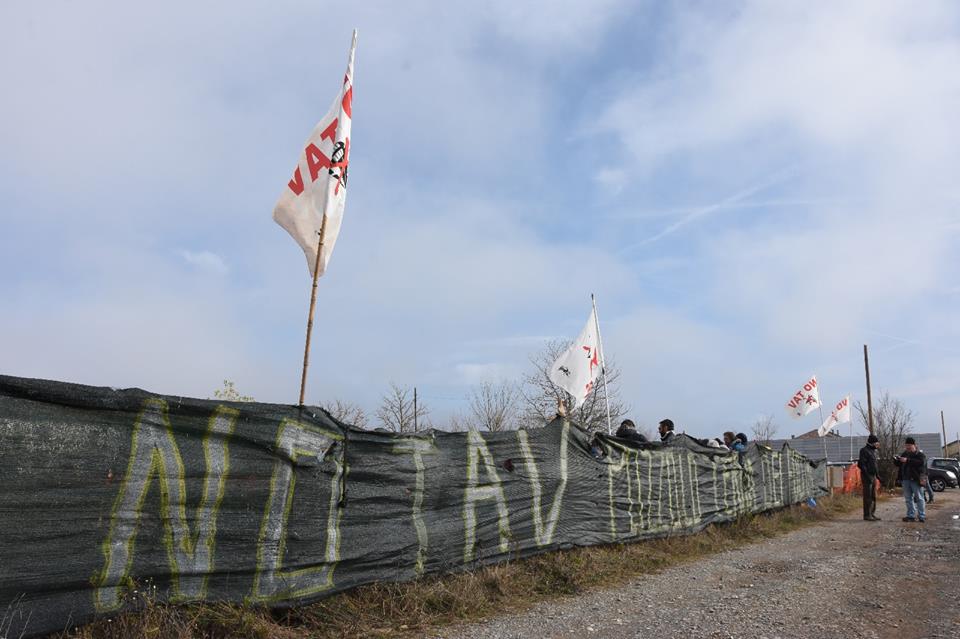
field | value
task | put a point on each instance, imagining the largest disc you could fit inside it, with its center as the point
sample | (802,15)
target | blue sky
(753,190)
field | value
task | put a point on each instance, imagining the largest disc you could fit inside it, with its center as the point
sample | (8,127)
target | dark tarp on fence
(106,494)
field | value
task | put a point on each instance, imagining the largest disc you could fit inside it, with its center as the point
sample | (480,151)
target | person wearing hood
(716,443)
(733,442)
(628,431)
(869,471)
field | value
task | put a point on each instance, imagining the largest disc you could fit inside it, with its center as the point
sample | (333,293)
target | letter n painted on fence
(154,452)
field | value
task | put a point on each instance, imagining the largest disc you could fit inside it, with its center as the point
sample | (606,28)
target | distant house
(813,434)
(845,449)
(953,448)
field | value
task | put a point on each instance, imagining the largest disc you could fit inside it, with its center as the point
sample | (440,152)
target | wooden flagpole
(313,304)
(866,367)
(603,365)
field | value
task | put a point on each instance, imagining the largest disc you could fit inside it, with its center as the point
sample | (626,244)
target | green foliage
(229,393)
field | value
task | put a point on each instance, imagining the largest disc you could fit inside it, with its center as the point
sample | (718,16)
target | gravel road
(845,578)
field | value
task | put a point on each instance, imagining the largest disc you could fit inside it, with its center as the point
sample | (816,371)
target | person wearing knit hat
(913,468)
(869,470)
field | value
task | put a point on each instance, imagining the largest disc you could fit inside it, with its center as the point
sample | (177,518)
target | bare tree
(539,395)
(229,393)
(460,423)
(347,412)
(493,407)
(763,429)
(396,411)
(891,423)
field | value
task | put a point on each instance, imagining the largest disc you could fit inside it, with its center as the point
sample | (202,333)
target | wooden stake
(866,366)
(313,303)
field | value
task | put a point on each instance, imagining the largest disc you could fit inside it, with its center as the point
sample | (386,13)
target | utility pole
(415,409)
(943,425)
(866,366)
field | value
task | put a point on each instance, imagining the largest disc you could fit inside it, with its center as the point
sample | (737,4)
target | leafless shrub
(347,412)
(763,429)
(493,407)
(396,411)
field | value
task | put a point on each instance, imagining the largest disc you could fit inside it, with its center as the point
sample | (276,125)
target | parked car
(947,463)
(940,478)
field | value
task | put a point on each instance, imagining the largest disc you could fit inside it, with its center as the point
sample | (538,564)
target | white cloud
(554,25)
(855,77)
(128,130)
(205,260)
(860,98)
(474,374)
(612,180)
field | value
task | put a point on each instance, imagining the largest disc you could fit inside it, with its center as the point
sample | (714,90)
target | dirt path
(846,578)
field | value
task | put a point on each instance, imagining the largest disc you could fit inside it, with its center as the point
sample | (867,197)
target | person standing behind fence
(733,442)
(628,430)
(926,485)
(869,471)
(666,431)
(913,465)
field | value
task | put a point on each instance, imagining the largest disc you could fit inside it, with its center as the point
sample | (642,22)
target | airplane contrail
(706,210)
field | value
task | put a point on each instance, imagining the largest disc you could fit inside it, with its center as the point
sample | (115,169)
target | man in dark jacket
(913,468)
(628,430)
(869,470)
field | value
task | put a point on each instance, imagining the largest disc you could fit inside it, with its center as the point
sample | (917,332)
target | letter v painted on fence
(543,534)
(476,451)
(154,451)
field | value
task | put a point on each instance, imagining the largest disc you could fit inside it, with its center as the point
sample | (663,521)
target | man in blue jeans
(913,469)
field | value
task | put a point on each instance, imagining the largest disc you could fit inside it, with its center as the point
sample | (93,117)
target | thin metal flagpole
(313,304)
(603,364)
(824,438)
(851,435)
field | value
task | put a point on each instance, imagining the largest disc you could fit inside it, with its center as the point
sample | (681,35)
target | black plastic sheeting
(108,496)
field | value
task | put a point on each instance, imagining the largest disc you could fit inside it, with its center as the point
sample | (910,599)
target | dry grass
(396,610)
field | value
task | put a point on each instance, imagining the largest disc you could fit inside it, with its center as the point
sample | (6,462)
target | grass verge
(403,609)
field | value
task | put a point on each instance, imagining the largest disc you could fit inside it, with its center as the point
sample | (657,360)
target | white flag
(578,367)
(319,184)
(805,399)
(839,415)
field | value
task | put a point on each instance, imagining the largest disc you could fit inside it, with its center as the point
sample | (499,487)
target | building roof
(846,449)
(815,434)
